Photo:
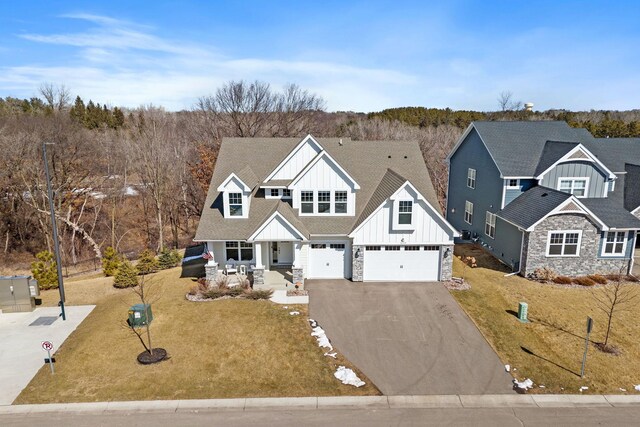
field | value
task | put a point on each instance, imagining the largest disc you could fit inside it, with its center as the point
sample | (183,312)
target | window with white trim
(471,178)
(564,243)
(615,243)
(575,186)
(324,202)
(235,204)
(306,201)
(275,192)
(340,202)
(490,225)
(405,212)
(513,183)
(286,193)
(468,212)
(239,251)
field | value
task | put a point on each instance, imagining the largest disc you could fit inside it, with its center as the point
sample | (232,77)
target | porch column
(257,248)
(297,270)
(258,270)
(209,249)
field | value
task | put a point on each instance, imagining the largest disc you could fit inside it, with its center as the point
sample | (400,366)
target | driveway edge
(301,403)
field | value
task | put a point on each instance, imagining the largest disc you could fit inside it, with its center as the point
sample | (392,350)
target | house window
(615,243)
(563,243)
(490,225)
(324,201)
(575,186)
(471,178)
(286,193)
(239,251)
(341,202)
(306,201)
(275,192)
(513,183)
(372,248)
(405,209)
(468,212)
(235,204)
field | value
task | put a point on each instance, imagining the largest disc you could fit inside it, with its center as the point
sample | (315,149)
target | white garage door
(401,263)
(328,260)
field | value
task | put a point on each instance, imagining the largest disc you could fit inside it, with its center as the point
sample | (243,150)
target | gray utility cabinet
(18,293)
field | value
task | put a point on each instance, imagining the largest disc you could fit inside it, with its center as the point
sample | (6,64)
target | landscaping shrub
(110,262)
(615,277)
(168,259)
(44,270)
(631,278)
(243,282)
(584,281)
(147,262)
(598,278)
(235,291)
(221,281)
(544,274)
(126,277)
(563,280)
(215,293)
(257,294)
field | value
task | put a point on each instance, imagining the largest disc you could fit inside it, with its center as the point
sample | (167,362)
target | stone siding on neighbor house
(535,249)
(357,263)
(446,263)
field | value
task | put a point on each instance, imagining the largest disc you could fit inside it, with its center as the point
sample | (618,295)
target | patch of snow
(321,336)
(334,354)
(294,313)
(524,385)
(285,307)
(507,368)
(347,376)
(583,388)
(541,386)
(622,389)
(637,387)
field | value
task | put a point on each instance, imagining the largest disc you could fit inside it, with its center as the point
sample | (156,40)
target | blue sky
(358,55)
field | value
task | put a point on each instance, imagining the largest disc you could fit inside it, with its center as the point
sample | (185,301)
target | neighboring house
(543,194)
(327,208)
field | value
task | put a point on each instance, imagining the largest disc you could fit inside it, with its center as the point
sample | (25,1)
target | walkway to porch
(277,278)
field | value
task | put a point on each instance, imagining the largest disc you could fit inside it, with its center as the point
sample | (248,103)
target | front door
(282,253)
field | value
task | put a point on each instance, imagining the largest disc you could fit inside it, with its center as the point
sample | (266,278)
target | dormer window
(405,212)
(286,193)
(235,204)
(275,192)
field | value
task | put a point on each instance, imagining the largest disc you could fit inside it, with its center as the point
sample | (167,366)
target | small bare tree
(507,103)
(57,97)
(613,299)
(147,294)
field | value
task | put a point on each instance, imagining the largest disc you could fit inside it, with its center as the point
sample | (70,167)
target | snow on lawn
(523,385)
(320,335)
(347,376)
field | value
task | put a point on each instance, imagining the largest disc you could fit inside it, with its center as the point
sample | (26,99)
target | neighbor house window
(513,183)
(575,186)
(324,201)
(239,251)
(490,225)
(235,204)
(468,212)
(471,178)
(341,202)
(286,193)
(564,243)
(615,243)
(306,201)
(405,211)
(275,192)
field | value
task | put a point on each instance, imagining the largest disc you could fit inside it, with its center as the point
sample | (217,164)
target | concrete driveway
(408,338)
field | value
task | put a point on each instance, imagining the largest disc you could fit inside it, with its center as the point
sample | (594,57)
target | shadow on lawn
(558,328)
(526,350)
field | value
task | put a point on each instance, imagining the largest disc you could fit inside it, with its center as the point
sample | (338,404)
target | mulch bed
(146,358)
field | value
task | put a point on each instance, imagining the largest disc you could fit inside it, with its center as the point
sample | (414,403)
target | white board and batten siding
(277,230)
(298,161)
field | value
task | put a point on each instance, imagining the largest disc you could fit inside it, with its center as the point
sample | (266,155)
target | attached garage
(401,263)
(329,260)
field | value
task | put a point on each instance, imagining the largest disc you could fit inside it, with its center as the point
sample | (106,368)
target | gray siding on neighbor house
(487,196)
(506,245)
(628,250)
(588,262)
(597,180)
(511,193)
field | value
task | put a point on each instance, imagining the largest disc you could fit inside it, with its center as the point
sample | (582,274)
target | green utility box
(523,309)
(140,315)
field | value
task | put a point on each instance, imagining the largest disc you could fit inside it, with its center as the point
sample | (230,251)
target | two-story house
(326,208)
(543,194)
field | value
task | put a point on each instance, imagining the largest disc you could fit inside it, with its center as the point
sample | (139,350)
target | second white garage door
(328,260)
(401,263)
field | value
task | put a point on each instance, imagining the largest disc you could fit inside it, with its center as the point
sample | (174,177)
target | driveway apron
(408,338)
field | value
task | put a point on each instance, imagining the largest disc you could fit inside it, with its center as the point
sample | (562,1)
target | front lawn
(218,349)
(549,349)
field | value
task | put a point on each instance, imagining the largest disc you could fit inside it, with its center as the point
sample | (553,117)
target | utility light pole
(56,244)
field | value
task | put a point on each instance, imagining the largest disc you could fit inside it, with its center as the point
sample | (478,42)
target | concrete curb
(293,403)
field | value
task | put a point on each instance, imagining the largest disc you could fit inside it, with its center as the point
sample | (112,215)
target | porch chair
(230,267)
(242,269)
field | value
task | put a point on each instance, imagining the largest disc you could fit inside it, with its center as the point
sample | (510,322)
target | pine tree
(78,111)
(126,277)
(147,262)
(111,261)
(169,258)
(44,270)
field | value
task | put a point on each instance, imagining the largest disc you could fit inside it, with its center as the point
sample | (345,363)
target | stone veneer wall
(210,271)
(298,275)
(357,264)
(535,249)
(258,276)
(446,262)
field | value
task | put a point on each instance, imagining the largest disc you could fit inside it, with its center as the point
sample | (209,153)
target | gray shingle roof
(366,161)
(551,153)
(389,184)
(532,205)
(632,186)
(611,214)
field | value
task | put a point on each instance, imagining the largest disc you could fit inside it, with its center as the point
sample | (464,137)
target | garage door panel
(328,260)
(401,263)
